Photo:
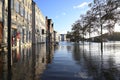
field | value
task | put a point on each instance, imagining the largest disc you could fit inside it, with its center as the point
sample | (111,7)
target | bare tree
(112,12)
(90,22)
(98,10)
(76,31)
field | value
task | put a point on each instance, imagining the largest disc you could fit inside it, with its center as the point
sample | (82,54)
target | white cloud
(81,5)
(64,13)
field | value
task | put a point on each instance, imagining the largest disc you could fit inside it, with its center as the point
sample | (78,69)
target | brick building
(49,31)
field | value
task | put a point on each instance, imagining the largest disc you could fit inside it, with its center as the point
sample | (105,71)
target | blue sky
(63,12)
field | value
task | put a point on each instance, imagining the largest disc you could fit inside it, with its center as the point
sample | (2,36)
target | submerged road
(84,62)
(66,61)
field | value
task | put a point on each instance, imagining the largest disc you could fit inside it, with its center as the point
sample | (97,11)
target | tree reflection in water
(98,66)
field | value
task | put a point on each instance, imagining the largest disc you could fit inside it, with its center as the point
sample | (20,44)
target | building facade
(21,22)
(38,25)
(28,24)
(49,31)
(56,37)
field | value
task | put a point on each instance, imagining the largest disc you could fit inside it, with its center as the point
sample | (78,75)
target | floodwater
(66,61)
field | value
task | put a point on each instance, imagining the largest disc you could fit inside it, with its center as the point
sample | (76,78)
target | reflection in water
(67,61)
(3,64)
(21,64)
(49,54)
(101,67)
(28,63)
(76,52)
(86,63)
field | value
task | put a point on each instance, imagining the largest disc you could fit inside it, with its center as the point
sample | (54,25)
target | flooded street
(84,62)
(66,61)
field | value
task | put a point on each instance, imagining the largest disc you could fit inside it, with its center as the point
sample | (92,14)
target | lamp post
(9,39)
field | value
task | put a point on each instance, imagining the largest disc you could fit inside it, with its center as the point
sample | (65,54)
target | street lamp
(9,39)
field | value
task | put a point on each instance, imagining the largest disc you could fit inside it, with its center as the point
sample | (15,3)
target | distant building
(56,37)
(63,37)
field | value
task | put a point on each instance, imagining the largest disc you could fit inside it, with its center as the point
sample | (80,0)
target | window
(43,32)
(23,1)
(21,11)
(17,6)
(12,4)
(28,17)
(24,12)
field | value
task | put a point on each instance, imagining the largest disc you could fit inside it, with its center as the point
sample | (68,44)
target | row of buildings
(28,24)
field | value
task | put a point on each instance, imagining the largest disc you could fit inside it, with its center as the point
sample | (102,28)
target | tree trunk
(101,39)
